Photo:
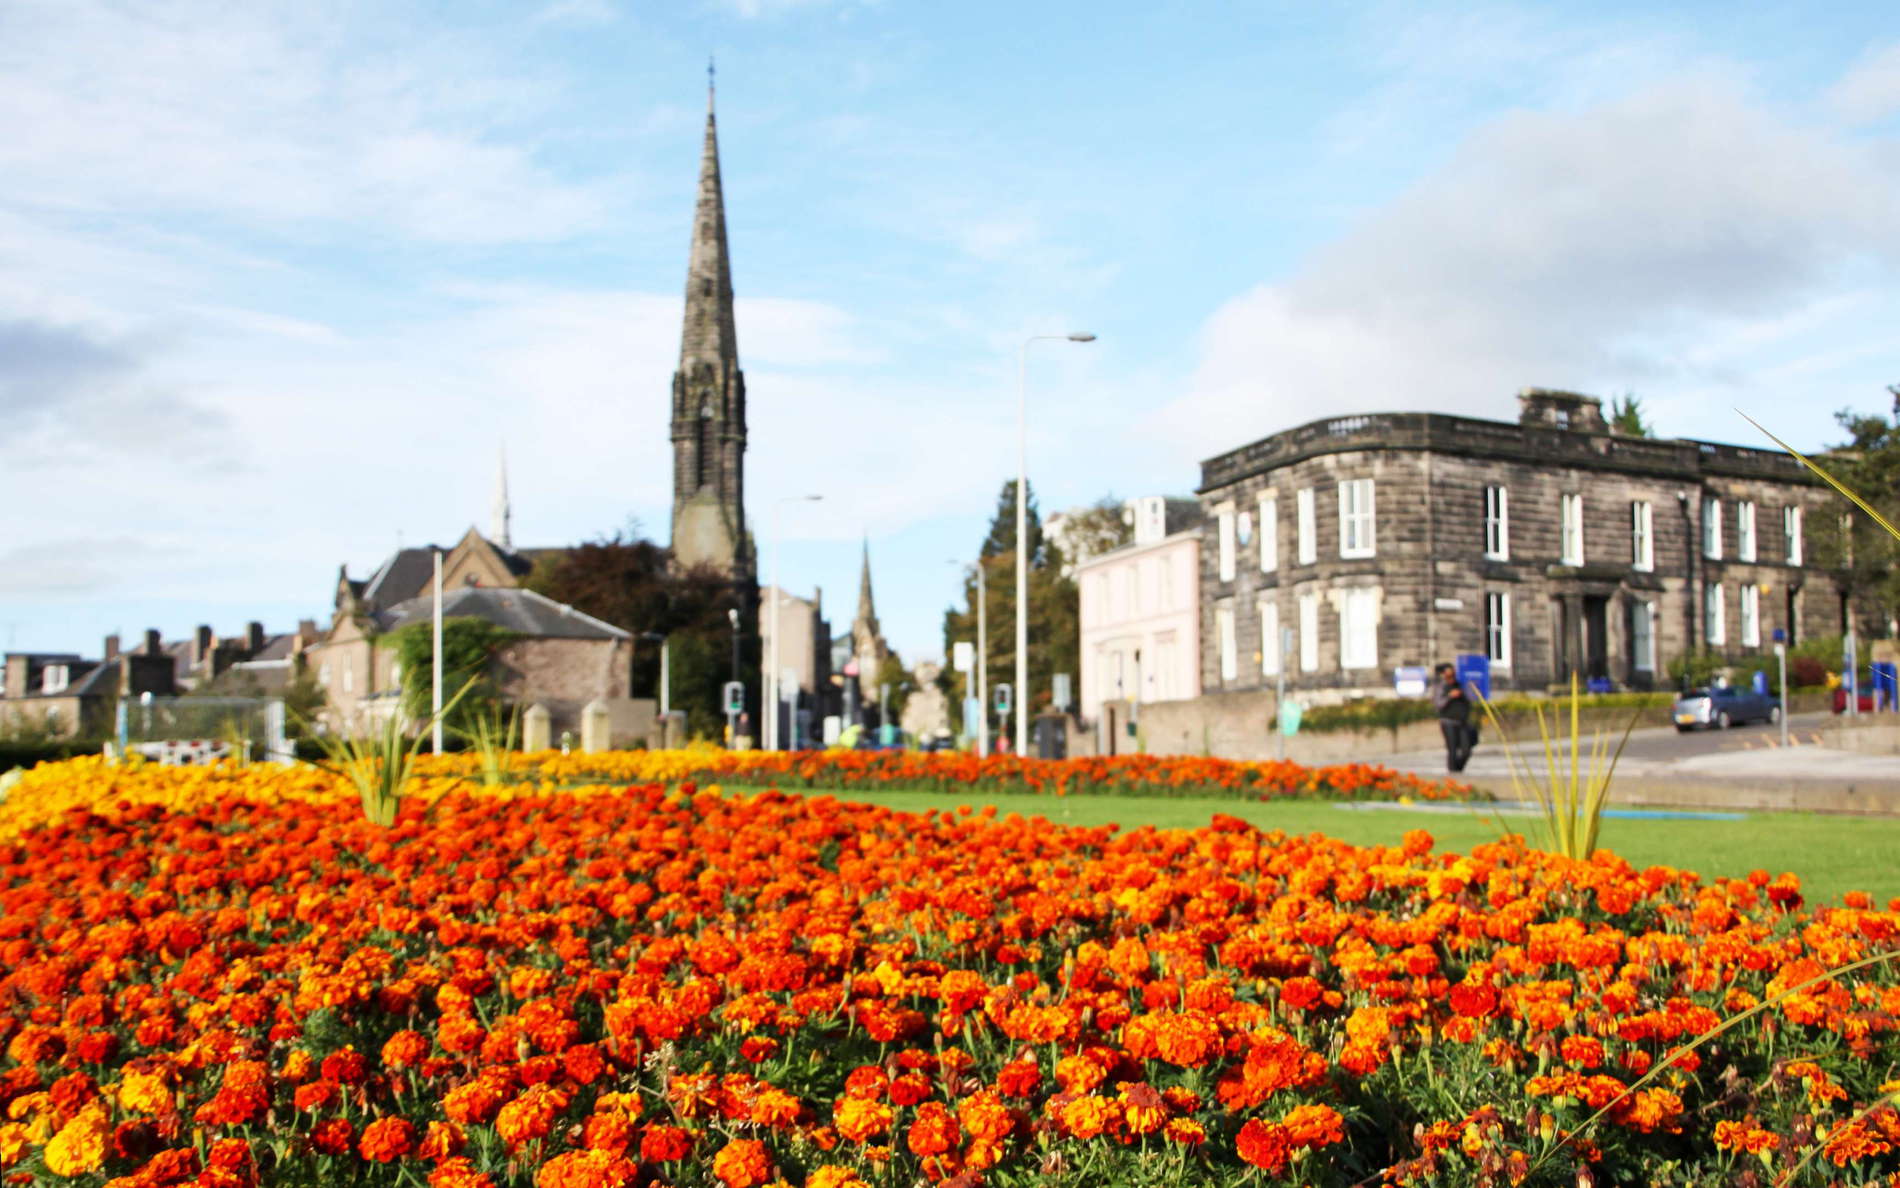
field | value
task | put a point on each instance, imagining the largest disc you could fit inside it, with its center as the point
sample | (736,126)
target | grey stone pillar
(537,730)
(596,727)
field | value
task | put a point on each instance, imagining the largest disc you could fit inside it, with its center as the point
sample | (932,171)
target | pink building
(1141,610)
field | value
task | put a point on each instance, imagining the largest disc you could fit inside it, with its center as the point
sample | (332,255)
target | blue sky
(277,280)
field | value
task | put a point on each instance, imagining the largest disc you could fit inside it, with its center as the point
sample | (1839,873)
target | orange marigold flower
(1143,1108)
(858,1119)
(742,1163)
(1314,1126)
(387,1139)
(1186,1131)
(1087,1117)
(458,1173)
(586,1169)
(441,1140)
(664,1144)
(1265,1145)
(405,1049)
(934,1131)
(830,1175)
(1019,1078)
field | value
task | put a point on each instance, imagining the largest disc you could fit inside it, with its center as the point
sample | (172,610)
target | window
(1497,524)
(1303,507)
(1572,530)
(1225,516)
(1791,529)
(1355,518)
(1750,610)
(1497,628)
(1359,629)
(55,678)
(1745,530)
(1269,533)
(1165,599)
(1224,633)
(1309,633)
(1714,618)
(1643,635)
(1270,661)
(1642,535)
(1712,527)
(349,677)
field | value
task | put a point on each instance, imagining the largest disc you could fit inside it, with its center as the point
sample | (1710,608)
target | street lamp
(1022,528)
(771,677)
(982,660)
(659,637)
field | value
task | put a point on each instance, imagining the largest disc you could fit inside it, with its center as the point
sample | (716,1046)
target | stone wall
(564,675)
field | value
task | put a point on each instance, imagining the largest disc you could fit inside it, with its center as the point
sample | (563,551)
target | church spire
(867,611)
(709,336)
(500,513)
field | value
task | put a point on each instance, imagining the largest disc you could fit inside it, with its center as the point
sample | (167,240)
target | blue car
(1722,706)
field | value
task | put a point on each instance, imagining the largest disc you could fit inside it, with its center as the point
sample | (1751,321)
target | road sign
(963,655)
(1003,698)
(1062,691)
(1409,681)
(734,697)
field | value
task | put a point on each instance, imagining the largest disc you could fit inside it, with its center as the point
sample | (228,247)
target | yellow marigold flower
(144,1093)
(80,1145)
(12,1143)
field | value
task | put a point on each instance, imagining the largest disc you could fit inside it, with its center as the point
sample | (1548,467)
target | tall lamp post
(771,677)
(982,659)
(1022,528)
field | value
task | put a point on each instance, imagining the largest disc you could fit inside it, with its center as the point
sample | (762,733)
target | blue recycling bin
(1886,684)
(1474,672)
(1598,685)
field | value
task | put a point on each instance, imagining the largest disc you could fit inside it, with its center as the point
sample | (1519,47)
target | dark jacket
(1451,703)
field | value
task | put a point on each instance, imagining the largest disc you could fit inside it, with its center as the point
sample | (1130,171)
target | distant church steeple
(500,514)
(709,427)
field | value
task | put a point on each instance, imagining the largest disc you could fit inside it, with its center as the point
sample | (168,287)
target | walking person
(1454,716)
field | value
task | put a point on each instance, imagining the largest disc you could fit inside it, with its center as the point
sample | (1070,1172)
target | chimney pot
(112,647)
(153,644)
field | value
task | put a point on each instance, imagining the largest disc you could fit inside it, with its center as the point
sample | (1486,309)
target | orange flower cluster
(604,988)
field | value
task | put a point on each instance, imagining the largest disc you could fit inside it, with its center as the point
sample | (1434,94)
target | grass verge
(1832,854)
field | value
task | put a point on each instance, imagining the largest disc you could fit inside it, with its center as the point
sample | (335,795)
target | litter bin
(1051,737)
(1474,672)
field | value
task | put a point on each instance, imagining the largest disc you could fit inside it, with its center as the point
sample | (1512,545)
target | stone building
(804,652)
(1140,612)
(868,649)
(1351,546)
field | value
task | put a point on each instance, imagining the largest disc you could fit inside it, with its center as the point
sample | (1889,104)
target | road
(1740,755)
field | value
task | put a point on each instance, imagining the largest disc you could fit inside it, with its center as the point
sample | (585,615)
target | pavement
(1741,768)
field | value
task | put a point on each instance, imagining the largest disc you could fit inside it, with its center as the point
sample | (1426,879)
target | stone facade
(1427,561)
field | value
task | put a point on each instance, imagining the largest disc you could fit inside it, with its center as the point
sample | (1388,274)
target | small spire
(867,610)
(501,512)
(709,84)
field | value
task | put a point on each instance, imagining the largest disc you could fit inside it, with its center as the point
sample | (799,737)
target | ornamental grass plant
(1571,793)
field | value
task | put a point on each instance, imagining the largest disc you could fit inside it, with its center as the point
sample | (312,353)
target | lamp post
(659,637)
(982,660)
(1022,528)
(771,677)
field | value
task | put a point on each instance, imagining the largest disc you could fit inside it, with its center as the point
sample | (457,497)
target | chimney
(17,669)
(153,645)
(253,637)
(201,645)
(112,648)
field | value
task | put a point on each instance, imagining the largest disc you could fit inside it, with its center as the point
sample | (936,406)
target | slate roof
(520,611)
(406,574)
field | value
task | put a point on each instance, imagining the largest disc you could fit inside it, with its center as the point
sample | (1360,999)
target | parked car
(1866,699)
(1722,706)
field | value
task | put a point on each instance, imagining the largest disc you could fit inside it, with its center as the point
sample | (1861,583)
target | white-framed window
(1497,628)
(1224,518)
(1745,530)
(1308,535)
(1359,629)
(1309,633)
(1642,535)
(1269,533)
(1714,614)
(1356,518)
(1643,635)
(54,678)
(1270,659)
(349,677)
(1224,637)
(1749,609)
(1572,543)
(1791,530)
(1497,524)
(1712,527)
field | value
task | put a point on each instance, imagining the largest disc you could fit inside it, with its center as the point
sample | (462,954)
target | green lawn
(1832,854)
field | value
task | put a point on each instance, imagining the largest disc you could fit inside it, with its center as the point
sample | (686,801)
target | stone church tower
(868,648)
(709,396)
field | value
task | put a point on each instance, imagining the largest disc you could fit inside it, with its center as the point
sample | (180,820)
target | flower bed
(957,771)
(230,978)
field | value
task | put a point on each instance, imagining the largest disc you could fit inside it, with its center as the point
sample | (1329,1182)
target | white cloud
(1602,249)
(1871,90)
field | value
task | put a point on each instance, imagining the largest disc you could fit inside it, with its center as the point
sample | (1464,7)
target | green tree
(1054,612)
(1101,527)
(630,582)
(1626,417)
(468,652)
(891,671)
(1864,558)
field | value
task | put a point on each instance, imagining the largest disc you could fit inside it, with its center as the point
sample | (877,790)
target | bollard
(537,731)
